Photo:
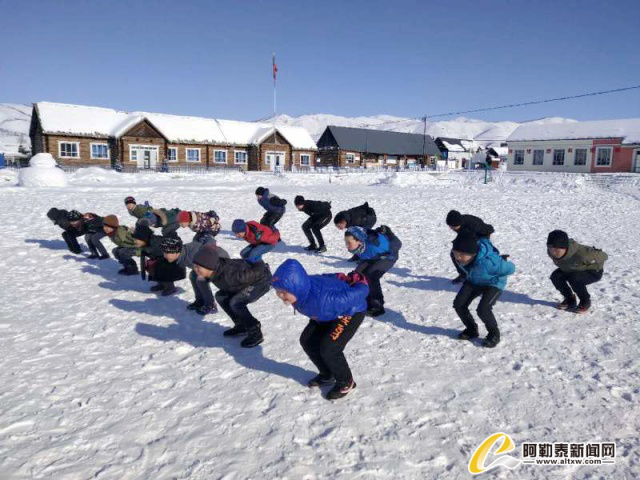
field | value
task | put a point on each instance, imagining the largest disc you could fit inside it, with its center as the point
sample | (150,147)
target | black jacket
(476,225)
(317,208)
(358,216)
(154,249)
(93,225)
(234,275)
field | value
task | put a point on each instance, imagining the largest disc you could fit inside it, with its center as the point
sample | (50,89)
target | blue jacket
(488,268)
(376,245)
(265,202)
(323,298)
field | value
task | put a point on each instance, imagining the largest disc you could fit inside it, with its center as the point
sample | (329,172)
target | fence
(193,169)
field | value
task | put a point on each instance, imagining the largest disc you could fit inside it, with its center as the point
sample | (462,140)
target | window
(134,155)
(68,149)
(193,155)
(581,156)
(220,156)
(241,156)
(305,159)
(538,157)
(351,157)
(172,154)
(558,157)
(518,157)
(392,159)
(99,150)
(603,157)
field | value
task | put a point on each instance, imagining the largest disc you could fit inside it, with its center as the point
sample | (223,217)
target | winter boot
(491,341)
(235,331)
(169,289)
(321,249)
(254,338)
(321,380)
(340,390)
(568,303)
(157,287)
(582,308)
(104,257)
(311,248)
(194,306)
(467,334)
(207,309)
(130,269)
(375,312)
(93,256)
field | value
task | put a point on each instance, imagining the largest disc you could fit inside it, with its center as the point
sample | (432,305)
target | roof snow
(627,129)
(105,122)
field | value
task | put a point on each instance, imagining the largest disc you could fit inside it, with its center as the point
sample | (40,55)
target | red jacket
(257,233)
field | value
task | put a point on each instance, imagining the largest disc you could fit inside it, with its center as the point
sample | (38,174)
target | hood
(292,277)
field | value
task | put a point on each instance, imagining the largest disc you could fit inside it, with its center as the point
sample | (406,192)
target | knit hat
(207,256)
(466,242)
(142,232)
(184,216)
(129,200)
(74,216)
(454,218)
(260,191)
(111,221)
(558,239)
(171,245)
(340,217)
(238,226)
(358,233)
(299,200)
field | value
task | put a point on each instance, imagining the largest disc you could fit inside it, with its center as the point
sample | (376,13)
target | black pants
(202,289)
(235,304)
(271,218)
(455,264)
(95,244)
(324,343)
(313,225)
(374,270)
(125,255)
(467,294)
(71,239)
(576,281)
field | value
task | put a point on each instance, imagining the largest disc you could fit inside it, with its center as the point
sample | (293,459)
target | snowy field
(101,379)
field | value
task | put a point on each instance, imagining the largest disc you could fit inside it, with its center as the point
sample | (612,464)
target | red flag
(275,68)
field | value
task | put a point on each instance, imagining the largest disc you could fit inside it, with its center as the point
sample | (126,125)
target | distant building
(457,151)
(81,135)
(605,146)
(362,147)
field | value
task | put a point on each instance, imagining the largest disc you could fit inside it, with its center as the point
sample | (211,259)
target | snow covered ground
(101,379)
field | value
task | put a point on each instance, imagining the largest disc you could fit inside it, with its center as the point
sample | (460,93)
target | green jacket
(140,211)
(580,258)
(167,216)
(123,237)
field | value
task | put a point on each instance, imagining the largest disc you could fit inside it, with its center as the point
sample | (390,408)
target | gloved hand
(504,257)
(353,278)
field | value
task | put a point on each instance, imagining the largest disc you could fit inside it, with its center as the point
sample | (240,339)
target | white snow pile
(407,179)
(43,171)
(95,174)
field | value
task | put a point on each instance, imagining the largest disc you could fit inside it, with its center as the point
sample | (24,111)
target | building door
(636,163)
(275,160)
(145,156)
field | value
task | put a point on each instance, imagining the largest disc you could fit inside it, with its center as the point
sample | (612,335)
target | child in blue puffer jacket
(377,251)
(486,273)
(335,305)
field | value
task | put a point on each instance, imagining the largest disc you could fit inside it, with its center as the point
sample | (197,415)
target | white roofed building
(82,135)
(604,146)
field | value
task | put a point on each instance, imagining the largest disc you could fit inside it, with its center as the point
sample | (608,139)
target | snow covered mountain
(14,127)
(483,132)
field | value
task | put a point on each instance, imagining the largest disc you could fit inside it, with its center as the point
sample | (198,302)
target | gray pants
(125,255)
(202,289)
(95,244)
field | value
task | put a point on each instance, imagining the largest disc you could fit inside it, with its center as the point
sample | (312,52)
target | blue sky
(404,58)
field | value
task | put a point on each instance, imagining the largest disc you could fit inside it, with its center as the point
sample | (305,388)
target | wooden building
(361,147)
(81,135)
